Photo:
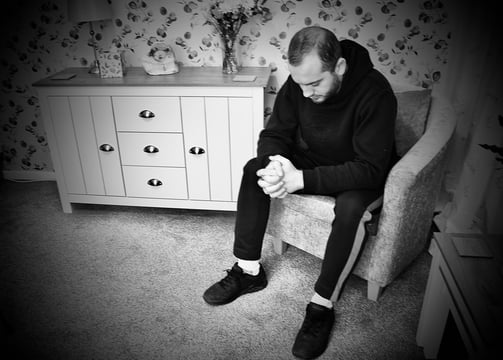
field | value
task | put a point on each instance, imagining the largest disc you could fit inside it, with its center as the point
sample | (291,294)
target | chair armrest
(439,130)
(410,194)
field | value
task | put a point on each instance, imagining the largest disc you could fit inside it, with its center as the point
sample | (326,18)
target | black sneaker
(312,339)
(235,284)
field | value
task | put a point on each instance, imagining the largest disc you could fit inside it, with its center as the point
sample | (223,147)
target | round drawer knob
(196,150)
(146,114)
(150,149)
(154,182)
(106,148)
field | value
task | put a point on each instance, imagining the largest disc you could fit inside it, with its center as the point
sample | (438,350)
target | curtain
(472,194)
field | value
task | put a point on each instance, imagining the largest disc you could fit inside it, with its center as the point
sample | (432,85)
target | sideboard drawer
(151,149)
(155,182)
(148,114)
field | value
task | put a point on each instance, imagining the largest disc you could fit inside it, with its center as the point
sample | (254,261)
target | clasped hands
(280,178)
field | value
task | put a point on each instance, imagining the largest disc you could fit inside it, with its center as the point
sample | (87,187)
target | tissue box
(111,64)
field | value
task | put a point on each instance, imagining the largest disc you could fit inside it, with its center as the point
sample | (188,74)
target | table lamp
(80,11)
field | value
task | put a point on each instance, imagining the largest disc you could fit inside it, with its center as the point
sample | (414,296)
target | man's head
(315,62)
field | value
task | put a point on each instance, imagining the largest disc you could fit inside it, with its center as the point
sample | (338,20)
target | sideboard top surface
(187,76)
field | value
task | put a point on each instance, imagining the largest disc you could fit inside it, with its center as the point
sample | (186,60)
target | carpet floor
(111,282)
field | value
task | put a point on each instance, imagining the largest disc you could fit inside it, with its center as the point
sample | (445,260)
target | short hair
(323,40)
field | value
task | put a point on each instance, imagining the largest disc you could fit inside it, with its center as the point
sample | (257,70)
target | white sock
(251,267)
(317,299)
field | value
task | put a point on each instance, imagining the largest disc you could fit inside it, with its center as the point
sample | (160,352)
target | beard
(334,89)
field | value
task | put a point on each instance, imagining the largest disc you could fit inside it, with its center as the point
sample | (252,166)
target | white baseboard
(29,175)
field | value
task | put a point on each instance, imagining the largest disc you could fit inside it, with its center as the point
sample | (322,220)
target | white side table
(468,287)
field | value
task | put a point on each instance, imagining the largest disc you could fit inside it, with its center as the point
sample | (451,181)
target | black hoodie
(348,139)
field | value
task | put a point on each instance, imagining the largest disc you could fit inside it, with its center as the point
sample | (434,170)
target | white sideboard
(177,141)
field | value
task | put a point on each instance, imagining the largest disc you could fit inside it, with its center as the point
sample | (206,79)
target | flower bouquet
(227,16)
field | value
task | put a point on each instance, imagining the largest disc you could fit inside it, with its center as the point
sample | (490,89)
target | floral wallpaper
(408,41)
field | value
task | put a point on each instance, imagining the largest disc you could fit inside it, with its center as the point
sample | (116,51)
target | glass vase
(230,61)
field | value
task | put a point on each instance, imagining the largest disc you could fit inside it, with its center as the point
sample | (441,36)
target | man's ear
(340,67)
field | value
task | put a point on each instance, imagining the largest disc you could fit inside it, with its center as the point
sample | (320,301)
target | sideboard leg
(67,207)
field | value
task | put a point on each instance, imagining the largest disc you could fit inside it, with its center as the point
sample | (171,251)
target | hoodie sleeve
(373,144)
(278,136)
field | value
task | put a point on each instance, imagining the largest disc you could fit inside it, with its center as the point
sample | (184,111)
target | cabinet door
(86,143)
(217,125)
(241,138)
(223,127)
(106,141)
(196,151)
(89,153)
(66,142)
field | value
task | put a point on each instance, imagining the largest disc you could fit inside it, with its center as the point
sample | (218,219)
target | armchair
(403,215)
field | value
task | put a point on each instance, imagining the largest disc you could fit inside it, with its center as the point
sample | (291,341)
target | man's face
(316,84)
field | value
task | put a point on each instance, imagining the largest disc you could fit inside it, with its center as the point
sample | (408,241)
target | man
(331,132)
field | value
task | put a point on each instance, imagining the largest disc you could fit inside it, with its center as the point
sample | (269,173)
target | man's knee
(349,205)
(251,167)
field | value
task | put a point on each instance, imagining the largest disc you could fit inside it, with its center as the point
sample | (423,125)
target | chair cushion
(316,206)
(304,221)
(412,114)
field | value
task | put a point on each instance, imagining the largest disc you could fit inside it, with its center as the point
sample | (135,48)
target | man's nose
(307,91)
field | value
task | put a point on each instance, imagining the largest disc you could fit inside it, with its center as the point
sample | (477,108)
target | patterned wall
(407,39)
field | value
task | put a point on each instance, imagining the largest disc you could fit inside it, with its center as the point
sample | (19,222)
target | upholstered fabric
(410,193)
(317,206)
(304,221)
(412,113)
(409,201)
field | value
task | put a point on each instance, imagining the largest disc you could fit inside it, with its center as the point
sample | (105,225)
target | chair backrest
(412,115)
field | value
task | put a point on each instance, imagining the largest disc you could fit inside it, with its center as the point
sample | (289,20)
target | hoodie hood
(358,66)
